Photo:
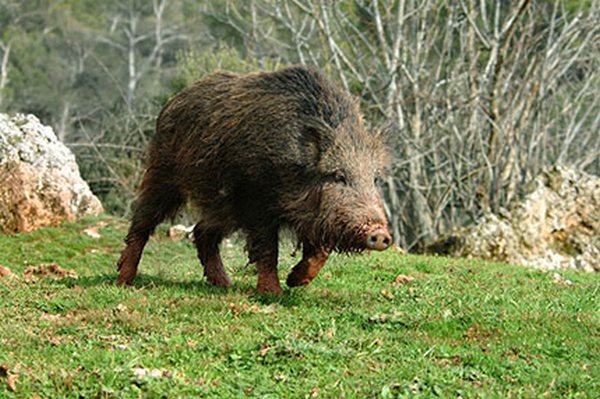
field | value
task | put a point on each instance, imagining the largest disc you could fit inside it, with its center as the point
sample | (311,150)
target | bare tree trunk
(132,40)
(63,126)
(4,68)
(500,47)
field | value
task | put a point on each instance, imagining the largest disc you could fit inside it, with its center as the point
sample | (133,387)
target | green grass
(461,328)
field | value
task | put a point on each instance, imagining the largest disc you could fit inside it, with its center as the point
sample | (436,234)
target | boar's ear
(318,133)
(385,143)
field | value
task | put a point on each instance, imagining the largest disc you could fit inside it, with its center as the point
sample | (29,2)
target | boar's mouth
(335,231)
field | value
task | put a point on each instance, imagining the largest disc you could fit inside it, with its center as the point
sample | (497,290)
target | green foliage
(460,328)
(193,65)
(578,5)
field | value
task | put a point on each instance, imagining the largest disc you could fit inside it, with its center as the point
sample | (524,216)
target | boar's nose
(379,240)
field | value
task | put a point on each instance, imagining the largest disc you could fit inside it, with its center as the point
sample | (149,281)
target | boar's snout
(379,239)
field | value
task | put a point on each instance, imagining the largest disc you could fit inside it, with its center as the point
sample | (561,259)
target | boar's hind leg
(262,250)
(207,243)
(313,260)
(155,203)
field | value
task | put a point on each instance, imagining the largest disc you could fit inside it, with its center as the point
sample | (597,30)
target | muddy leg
(130,258)
(156,202)
(313,260)
(207,243)
(262,250)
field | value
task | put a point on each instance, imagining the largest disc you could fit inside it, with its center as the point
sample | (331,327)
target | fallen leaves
(394,317)
(264,349)
(8,377)
(400,279)
(387,294)
(5,272)
(448,360)
(204,382)
(11,382)
(141,373)
(115,342)
(398,249)
(121,308)
(314,392)
(244,308)
(92,232)
(238,309)
(472,332)
(52,271)
(403,279)
(44,271)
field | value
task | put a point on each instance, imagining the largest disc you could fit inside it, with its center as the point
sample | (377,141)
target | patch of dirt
(50,271)
(51,318)
(455,360)
(477,333)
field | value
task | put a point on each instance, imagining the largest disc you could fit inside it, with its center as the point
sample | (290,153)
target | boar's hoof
(295,280)
(126,276)
(269,287)
(379,240)
(219,280)
(124,281)
(127,273)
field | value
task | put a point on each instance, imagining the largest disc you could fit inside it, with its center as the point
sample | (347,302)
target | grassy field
(460,328)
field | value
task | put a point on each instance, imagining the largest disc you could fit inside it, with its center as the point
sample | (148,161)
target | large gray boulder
(40,184)
(556,226)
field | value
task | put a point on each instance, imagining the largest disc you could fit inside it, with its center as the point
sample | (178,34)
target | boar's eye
(378,181)
(338,177)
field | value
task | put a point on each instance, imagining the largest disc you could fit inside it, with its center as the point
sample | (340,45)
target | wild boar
(260,153)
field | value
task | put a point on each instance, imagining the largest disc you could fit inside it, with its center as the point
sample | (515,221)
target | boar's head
(342,209)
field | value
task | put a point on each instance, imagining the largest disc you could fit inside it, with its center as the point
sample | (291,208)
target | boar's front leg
(313,260)
(263,250)
(207,243)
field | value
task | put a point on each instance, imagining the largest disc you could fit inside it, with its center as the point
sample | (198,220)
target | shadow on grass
(143,281)
(290,297)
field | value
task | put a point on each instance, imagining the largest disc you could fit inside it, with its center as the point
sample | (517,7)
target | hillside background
(477,96)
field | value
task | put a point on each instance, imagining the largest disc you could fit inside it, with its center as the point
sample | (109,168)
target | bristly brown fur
(258,153)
